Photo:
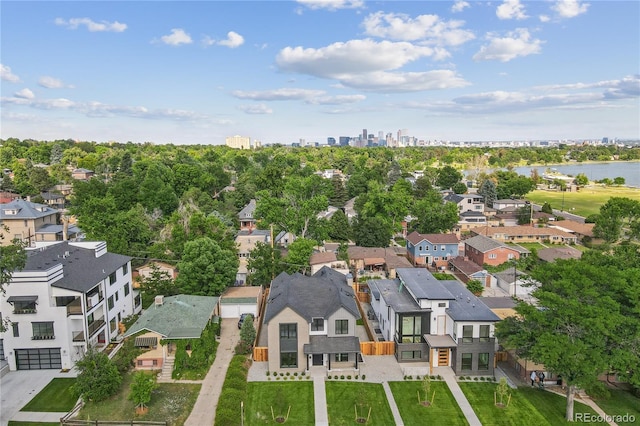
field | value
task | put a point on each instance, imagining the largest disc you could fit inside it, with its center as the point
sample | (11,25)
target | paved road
(566,215)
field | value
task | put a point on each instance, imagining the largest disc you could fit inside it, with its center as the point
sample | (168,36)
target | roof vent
(159,301)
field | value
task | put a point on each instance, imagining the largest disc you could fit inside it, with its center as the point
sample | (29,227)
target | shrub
(287,373)
(295,374)
(267,372)
(475,378)
(364,376)
(281,374)
(356,377)
(303,374)
(349,377)
(275,373)
(439,377)
(342,377)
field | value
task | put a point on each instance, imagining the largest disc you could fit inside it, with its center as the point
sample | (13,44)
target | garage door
(38,359)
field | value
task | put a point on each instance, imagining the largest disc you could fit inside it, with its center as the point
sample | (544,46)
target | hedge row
(234,390)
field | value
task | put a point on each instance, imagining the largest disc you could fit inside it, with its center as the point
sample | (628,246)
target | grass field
(55,397)
(265,396)
(620,403)
(343,397)
(443,411)
(585,202)
(14,423)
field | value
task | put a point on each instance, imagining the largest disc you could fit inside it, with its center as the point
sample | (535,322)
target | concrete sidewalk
(450,379)
(392,404)
(320,401)
(204,410)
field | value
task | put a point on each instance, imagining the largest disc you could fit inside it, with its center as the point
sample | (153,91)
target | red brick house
(483,250)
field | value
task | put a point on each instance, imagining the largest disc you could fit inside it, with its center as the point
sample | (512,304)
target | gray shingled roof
(483,244)
(248,210)
(422,284)
(400,301)
(466,306)
(82,269)
(317,296)
(25,210)
(179,317)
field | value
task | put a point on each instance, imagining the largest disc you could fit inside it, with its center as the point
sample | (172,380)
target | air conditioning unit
(159,300)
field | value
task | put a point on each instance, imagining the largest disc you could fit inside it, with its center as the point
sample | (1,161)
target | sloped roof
(554,253)
(575,227)
(25,210)
(317,296)
(248,210)
(416,238)
(179,317)
(325,257)
(483,244)
(520,230)
(466,266)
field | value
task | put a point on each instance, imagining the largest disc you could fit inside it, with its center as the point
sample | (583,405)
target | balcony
(94,299)
(78,336)
(95,326)
(25,311)
(75,307)
(43,337)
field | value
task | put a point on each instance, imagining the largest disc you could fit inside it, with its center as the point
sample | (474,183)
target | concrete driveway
(17,388)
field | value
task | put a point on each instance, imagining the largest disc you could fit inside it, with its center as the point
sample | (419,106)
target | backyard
(369,399)
(443,411)
(265,398)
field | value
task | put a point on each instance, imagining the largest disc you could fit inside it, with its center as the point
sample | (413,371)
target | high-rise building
(364,134)
(331,141)
(239,142)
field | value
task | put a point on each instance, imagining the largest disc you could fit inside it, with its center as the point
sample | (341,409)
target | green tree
(247,334)
(141,388)
(488,191)
(158,282)
(523,215)
(511,184)
(395,173)
(475,287)
(265,263)
(339,196)
(582,179)
(619,181)
(371,232)
(434,215)
(56,154)
(618,216)
(422,186)
(339,228)
(300,251)
(460,188)
(98,377)
(205,268)
(546,208)
(448,177)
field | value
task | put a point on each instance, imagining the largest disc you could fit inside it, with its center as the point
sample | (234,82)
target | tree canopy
(205,268)
(98,377)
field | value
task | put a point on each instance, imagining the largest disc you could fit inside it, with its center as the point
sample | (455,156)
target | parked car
(244,317)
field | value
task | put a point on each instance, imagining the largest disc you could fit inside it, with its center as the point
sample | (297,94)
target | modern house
(246,216)
(311,321)
(69,296)
(484,250)
(168,319)
(440,322)
(433,250)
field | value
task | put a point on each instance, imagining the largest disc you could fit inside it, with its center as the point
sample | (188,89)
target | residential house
(146,270)
(439,322)
(247,240)
(465,270)
(508,204)
(24,218)
(526,234)
(580,230)
(433,250)
(82,174)
(68,297)
(7,197)
(516,284)
(510,218)
(377,261)
(487,251)
(246,216)
(466,202)
(54,200)
(169,319)
(311,321)
(349,208)
(328,259)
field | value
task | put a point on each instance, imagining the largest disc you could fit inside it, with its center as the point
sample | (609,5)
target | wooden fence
(260,354)
(363,297)
(378,348)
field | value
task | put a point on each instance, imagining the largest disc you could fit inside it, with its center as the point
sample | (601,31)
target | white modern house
(69,296)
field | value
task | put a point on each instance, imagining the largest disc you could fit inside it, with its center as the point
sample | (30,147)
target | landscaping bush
(234,390)
(203,352)
(364,376)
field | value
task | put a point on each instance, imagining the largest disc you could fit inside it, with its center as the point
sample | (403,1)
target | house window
(442,304)
(289,360)
(112,278)
(467,360)
(410,354)
(443,248)
(126,289)
(317,324)
(436,258)
(288,331)
(493,256)
(16,330)
(510,256)
(467,334)
(43,330)
(116,294)
(420,248)
(24,307)
(110,302)
(411,331)
(112,325)
(484,333)
(125,269)
(342,357)
(137,300)
(342,326)
(483,361)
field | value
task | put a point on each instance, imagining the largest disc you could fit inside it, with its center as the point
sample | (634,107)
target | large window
(467,334)
(110,302)
(288,331)
(26,307)
(126,289)
(112,278)
(317,324)
(288,360)
(15,329)
(342,326)
(467,360)
(288,345)
(342,357)
(125,269)
(410,354)
(483,361)
(411,331)
(43,330)
(484,333)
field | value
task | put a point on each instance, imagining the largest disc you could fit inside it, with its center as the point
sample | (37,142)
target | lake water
(629,170)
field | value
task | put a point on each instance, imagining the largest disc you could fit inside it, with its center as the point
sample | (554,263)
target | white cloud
(284,94)
(392,82)
(511,9)
(7,75)
(177,37)
(233,40)
(51,82)
(459,6)
(627,87)
(336,100)
(544,18)
(570,8)
(332,4)
(25,94)
(517,43)
(429,28)
(92,26)
(256,109)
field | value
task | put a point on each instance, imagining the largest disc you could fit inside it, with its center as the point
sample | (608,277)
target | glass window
(484,333)
(317,324)
(112,325)
(342,357)
(493,256)
(110,302)
(125,269)
(116,294)
(410,354)
(342,326)
(442,304)
(126,289)
(411,329)
(288,360)
(483,361)
(467,334)
(137,300)
(467,360)
(112,278)
(43,330)
(16,330)
(288,331)
(24,307)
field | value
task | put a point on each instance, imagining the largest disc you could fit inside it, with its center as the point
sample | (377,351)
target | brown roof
(466,266)
(416,237)
(326,257)
(520,230)
(577,227)
(376,255)
(248,291)
(553,253)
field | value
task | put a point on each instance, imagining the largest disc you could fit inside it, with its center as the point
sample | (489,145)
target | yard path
(463,403)
(204,410)
(320,401)
(392,404)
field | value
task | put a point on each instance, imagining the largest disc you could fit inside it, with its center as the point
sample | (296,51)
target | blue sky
(280,71)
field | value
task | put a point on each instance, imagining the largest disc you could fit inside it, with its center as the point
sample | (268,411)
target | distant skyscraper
(331,141)
(239,142)
(344,140)
(364,134)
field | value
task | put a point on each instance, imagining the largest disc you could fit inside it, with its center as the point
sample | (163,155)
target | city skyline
(285,71)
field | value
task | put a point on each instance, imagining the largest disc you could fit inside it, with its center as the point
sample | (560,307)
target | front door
(317,359)
(443,357)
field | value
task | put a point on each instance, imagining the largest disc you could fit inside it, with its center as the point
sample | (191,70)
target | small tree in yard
(426,386)
(247,337)
(98,377)
(475,287)
(141,387)
(502,390)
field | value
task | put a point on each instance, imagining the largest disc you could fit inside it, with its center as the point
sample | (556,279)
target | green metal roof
(236,300)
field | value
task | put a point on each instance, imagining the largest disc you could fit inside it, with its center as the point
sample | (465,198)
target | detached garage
(240,300)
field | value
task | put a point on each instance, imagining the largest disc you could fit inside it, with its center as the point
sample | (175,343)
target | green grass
(620,403)
(585,202)
(263,396)
(14,423)
(552,406)
(443,411)
(171,402)
(529,246)
(342,398)
(55,397)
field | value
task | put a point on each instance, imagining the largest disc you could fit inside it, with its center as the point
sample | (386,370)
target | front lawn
(56,397)
(265,396)
(170,402)
(620,403)
(443,411)
(553,406)
(343,397)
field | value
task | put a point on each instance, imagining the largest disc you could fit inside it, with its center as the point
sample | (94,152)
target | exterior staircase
(167,369)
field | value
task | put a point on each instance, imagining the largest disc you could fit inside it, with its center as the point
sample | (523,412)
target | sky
(281,71)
